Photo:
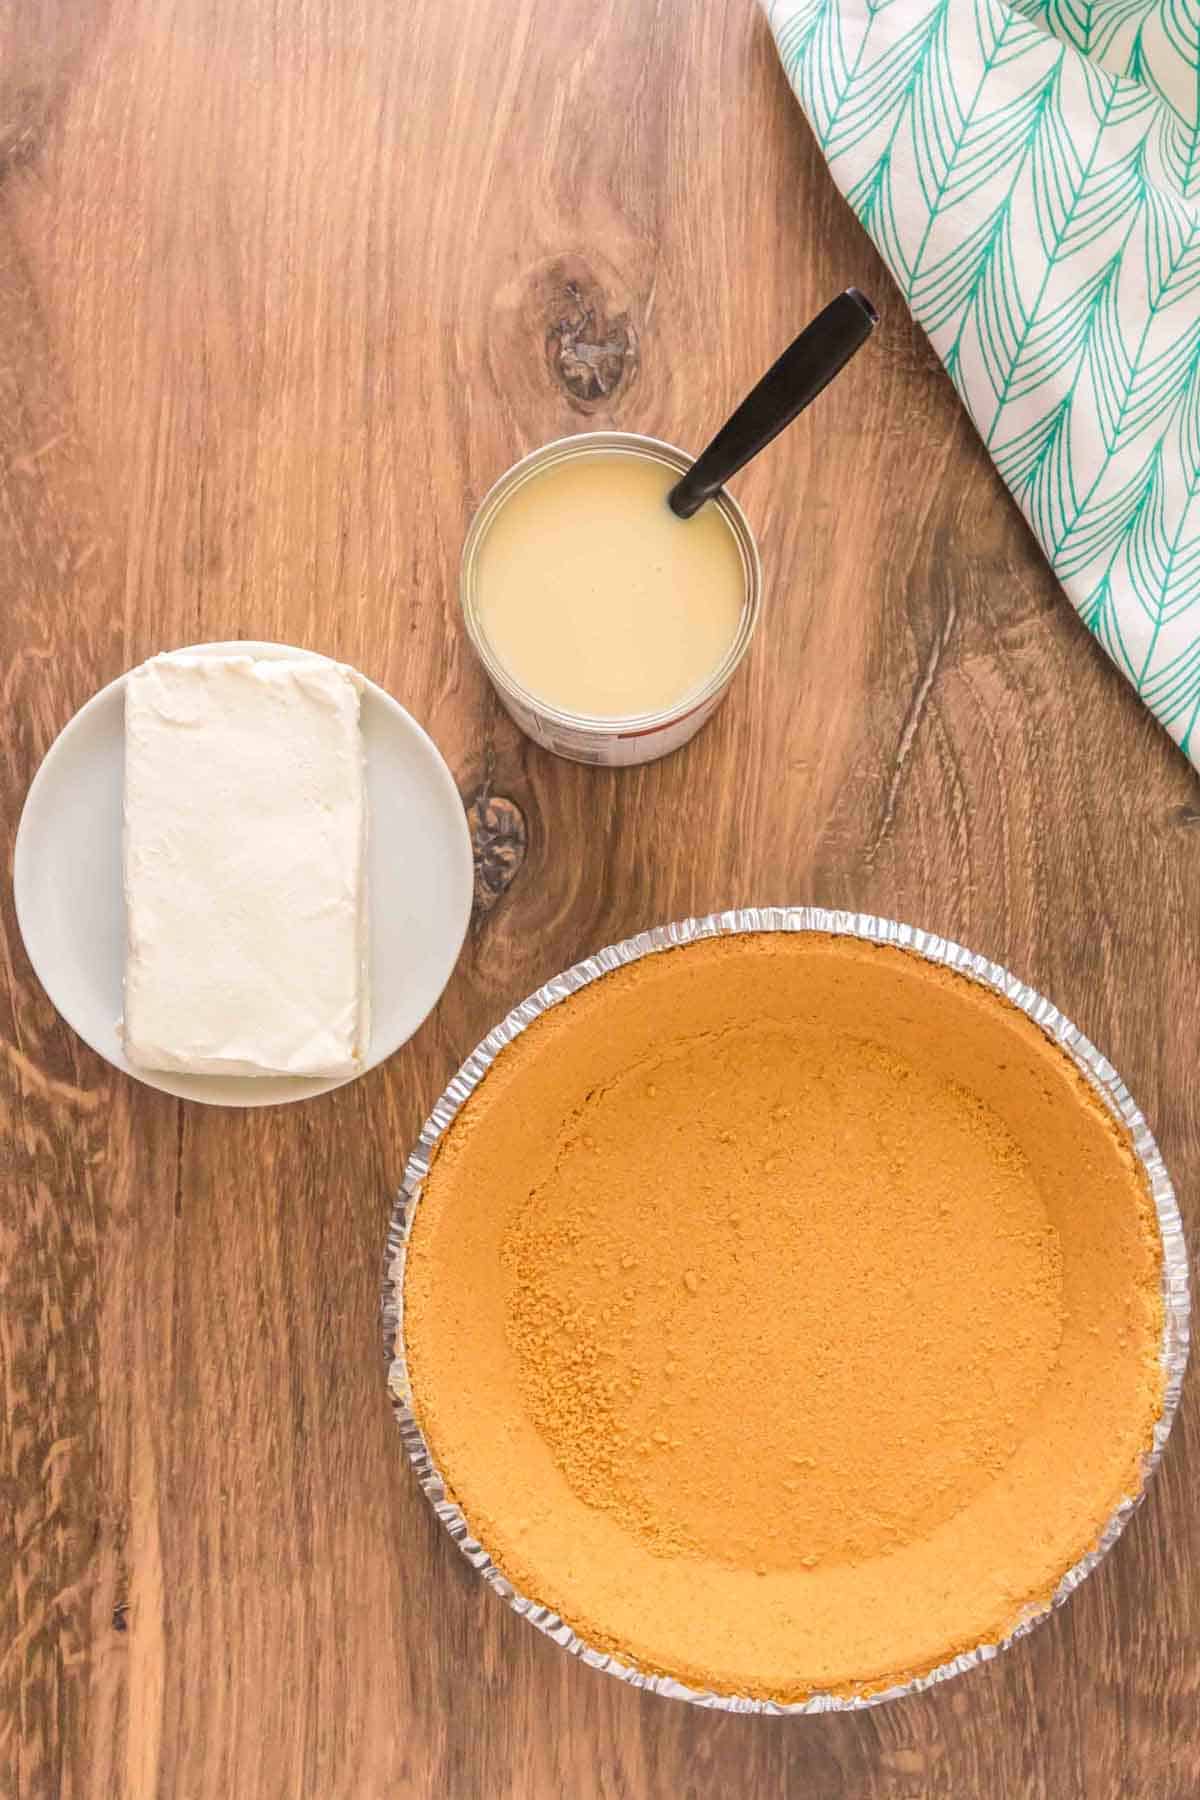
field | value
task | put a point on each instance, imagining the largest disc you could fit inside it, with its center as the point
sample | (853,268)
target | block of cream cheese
(245,867)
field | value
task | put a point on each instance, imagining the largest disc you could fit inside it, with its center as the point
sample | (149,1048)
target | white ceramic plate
(71,909)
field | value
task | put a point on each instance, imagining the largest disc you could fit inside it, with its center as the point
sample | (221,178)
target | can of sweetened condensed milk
(609,628)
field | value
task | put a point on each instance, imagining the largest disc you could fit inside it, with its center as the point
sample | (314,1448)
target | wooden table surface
(283,285)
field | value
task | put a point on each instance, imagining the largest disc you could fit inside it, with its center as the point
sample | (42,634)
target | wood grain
(284,284)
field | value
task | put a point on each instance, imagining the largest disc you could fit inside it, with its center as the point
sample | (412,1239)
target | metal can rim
(594,443)
(1093,1065)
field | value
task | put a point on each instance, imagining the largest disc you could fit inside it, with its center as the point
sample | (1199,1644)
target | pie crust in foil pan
(1099,1072)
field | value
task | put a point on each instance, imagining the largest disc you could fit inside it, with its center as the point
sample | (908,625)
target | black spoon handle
(789,385)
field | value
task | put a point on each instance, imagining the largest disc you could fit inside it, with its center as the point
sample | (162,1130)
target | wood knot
(591,351)
(499,841)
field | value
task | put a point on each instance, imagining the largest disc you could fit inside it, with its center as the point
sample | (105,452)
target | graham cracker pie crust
(783,1311)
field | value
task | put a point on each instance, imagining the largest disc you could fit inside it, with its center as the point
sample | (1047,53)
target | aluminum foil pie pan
(1098,1071)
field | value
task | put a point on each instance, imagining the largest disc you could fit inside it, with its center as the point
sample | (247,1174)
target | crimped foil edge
(1094,1066)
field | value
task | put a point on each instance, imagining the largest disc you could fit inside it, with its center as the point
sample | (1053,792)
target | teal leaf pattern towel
(1031,174)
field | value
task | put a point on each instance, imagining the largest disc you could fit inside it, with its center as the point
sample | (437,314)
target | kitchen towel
(1031,174)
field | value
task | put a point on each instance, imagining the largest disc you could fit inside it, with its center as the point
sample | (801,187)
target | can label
(612,749)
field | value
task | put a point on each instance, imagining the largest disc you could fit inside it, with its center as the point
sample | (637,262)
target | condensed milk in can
(610,629)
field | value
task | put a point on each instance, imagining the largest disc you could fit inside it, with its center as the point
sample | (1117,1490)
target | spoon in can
(793,382)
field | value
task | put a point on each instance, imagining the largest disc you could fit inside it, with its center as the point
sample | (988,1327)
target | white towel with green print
(1031,173)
